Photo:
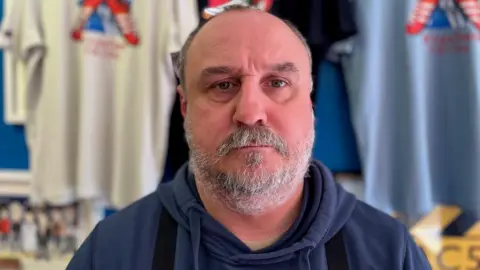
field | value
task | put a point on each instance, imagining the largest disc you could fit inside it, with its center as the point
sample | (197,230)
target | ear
(183,100)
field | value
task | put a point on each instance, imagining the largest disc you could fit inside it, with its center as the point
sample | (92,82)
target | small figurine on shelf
(4,228)
(43,236)
(70,237)
(121,12)
(16,211)
(29,233)
(57,228)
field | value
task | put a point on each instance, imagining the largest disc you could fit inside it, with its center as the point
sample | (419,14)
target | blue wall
(335,143)
(13,150)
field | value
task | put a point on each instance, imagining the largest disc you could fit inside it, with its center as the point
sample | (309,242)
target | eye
(223,91)
(223,86)
(277,83)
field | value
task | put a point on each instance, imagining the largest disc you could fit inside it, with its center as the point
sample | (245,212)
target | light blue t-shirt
(415,105)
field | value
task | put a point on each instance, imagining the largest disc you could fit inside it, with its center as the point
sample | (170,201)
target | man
(250,198)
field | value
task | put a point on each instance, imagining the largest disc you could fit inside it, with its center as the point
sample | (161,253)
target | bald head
(240,18)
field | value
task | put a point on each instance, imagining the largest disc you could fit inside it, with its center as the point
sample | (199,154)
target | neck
(258,230)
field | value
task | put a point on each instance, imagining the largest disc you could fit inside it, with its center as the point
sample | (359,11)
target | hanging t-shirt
(13,69)
(100,88)
(413,83)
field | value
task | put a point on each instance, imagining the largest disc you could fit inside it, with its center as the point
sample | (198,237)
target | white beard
(250,192)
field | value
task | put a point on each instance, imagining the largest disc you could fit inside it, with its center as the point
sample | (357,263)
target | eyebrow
(286,67)
(218,70)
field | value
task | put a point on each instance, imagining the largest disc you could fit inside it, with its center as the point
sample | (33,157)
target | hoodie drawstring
(195,227)
(303,260)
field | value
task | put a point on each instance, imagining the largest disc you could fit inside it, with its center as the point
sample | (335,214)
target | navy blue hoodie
(373,240)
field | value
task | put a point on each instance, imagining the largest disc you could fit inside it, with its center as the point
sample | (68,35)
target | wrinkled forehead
(247,40)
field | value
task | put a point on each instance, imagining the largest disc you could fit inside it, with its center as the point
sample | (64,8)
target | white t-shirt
(98,109)
(14,71)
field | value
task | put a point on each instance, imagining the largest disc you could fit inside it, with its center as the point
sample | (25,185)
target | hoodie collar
(326,208)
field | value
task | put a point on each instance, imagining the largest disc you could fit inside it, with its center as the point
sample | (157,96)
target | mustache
(252,136)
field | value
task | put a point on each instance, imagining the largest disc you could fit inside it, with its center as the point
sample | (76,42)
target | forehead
(248,39)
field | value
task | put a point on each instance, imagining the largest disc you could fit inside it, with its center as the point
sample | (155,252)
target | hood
(328,209)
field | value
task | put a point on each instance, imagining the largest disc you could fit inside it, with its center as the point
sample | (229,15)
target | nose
(250,106)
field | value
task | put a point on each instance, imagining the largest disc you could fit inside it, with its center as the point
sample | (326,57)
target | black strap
(164,253)
(336,253)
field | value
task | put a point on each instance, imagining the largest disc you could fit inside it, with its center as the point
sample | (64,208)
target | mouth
(253,147)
